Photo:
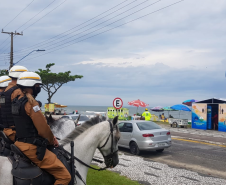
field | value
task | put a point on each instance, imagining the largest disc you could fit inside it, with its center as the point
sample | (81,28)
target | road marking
(200,142)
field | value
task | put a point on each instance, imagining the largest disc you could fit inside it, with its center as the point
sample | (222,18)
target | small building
(122,113)
(209,114)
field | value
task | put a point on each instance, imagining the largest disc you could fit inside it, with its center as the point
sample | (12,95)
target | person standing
(32,130)
(147,115)
(11,92)
(4,81)
(215,120)
(126,116)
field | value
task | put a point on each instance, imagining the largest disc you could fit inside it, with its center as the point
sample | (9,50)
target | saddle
(27,173)
(4,144)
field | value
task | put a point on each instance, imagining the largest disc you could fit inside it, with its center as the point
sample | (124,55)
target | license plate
(161,144)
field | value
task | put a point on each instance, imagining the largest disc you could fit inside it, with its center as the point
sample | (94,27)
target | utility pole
(11,50)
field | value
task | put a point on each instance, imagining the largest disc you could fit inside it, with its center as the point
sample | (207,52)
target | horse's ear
(115,120)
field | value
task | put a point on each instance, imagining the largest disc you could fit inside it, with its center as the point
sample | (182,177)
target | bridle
(109,158)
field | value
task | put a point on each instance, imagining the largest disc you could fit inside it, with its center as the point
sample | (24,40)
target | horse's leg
(6,177)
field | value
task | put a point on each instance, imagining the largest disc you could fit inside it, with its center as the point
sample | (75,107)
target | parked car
(74,117)
(140,135)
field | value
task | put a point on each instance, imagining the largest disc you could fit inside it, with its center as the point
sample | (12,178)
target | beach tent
(180,107)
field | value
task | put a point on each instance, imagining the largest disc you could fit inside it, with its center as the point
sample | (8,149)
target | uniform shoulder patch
(36,108)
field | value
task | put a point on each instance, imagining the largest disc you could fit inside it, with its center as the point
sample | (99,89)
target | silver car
(140,135)
(74,117)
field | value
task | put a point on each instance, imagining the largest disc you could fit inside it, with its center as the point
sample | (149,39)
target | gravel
(154,173)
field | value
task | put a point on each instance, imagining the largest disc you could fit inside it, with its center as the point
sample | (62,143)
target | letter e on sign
(117,103)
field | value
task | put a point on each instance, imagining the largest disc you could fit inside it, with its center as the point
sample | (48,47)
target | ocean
(132,111)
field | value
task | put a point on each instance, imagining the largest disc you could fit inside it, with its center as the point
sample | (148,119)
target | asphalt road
(206,159)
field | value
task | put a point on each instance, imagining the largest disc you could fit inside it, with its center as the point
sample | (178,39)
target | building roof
(212,100)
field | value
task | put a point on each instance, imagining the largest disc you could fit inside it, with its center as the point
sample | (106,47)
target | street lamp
(28,54)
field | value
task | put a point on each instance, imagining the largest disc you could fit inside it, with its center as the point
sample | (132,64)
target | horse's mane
(82,128)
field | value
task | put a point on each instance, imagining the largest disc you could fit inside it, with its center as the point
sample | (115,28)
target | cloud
(172,55)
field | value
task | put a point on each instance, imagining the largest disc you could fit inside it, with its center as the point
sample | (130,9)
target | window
(65,117)
(125,127)
(120,125)
(147,125)
(128,127)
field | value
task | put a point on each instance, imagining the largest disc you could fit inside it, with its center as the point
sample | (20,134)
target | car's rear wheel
(160,150)
(134,148)
(174,125)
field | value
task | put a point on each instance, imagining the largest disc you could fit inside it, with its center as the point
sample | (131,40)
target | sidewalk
(148,172)
(210,136)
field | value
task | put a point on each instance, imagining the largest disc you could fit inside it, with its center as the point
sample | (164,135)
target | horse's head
(49,119)
(109,146)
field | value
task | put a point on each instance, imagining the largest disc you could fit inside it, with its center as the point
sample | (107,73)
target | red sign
(117,103)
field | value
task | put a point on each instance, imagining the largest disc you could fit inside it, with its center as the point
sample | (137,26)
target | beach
(132,111)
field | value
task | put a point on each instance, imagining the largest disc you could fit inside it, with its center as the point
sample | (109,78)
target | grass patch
(107,178)
(161,123)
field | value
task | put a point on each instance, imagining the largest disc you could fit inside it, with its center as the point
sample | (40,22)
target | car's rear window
(147,125)
(82,118)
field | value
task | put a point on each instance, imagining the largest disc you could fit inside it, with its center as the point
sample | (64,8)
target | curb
(205,141)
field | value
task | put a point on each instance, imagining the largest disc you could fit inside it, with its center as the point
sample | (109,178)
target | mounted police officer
(32,131)
(4,81)
(11,92)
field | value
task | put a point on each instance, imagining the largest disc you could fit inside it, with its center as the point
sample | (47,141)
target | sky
(133,49)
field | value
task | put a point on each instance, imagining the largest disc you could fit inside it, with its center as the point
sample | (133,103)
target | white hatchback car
(74,117)
(140,135)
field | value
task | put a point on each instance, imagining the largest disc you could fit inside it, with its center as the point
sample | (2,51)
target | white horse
(87,138)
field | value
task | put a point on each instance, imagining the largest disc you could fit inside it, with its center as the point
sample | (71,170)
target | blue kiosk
(207,113)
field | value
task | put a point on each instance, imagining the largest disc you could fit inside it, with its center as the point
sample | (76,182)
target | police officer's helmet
(4,81)
(146,109)
(29,79)
(15,71)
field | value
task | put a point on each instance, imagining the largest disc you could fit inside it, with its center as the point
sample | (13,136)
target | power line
(12,34)
(110,29)
(45,15)
(4,48)
(18,14)
(74,27)
(4,41)
(36,14)
(104,21)
(91,23)
(110,23)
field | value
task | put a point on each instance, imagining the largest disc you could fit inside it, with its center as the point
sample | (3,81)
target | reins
(77,159)
(88,166)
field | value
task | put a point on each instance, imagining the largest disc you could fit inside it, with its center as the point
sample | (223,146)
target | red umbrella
(138,103)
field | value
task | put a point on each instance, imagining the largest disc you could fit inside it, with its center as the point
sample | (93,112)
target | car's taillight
(168,133)
(148,135)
